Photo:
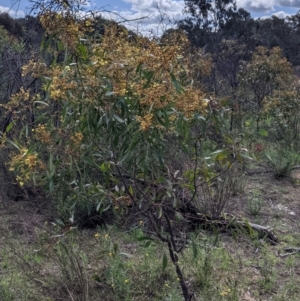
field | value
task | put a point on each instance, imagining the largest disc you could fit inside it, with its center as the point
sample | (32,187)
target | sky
(153,11)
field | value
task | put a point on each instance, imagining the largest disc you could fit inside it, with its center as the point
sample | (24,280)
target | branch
(290,251)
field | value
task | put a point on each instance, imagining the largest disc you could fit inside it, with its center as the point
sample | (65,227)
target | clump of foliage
(12,56)
(255,203)
(266,73)
(282,160)
(105,113)
(101,121)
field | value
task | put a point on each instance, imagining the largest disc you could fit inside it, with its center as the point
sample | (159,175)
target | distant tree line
(207,24)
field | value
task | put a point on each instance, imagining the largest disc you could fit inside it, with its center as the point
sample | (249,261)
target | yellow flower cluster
(66,26)
(63,25)
(19,97)
(31,161)
(22,180)
(191,101)
(225,292)
(61,83)
(77,138)
(34,68)
(151,83)
(26,165)
(122,201)
(141,70)
(42,134)
(158,95)
(146,121)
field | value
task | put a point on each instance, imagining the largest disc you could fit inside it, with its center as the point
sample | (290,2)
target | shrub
(216,194)
(255,204)
(104,118)
(282,160)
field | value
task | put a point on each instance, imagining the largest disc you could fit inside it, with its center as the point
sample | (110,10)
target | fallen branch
(264,232)
(227,223)
(290,251)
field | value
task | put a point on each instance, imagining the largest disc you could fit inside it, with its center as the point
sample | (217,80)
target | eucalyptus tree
(205,19)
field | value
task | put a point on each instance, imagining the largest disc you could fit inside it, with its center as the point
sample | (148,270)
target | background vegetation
(148,142)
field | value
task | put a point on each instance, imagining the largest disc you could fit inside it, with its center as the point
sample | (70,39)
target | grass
(255,204)
(109,265)
(45,261)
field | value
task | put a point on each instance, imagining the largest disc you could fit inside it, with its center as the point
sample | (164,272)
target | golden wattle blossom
(147,74)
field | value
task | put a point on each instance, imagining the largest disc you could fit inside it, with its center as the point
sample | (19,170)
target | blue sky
(169,9)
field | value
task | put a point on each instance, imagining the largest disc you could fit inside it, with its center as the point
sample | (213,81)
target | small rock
(281,207)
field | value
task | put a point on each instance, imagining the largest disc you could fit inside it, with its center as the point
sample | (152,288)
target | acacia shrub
(98,141)
(106,107)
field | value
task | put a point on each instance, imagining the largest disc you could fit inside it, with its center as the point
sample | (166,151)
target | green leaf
(46,43)
(164,262)
(51,186)
(116,247)
(8,128)
(254,157)
(126,255)
(263,133)
(90,161)
(145,238)
(195,249)
(161,180)
(147,244)
(160,212)
(269,157)
(250,229)
(148,76)
(176,83)
(105,167)
(218,152)
(134,142)
(98,206)
(82,50)
(139,68)
(130,189)
(41,102)
(107,273)
(96,278)
(60,222)
(160,120)
(116,117)
(51,163)
(179,216)
(221,155)
(13,144)
(104,209)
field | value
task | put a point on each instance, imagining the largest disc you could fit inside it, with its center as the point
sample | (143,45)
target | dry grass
(44,261)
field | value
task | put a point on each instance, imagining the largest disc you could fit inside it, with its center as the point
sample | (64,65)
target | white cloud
(281,14)
(153,11)
(289,3)
(257,5)
(12,13)
(150,15)
(266,5)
